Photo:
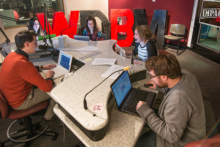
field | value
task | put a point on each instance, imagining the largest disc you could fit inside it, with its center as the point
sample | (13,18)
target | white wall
(11,34)
(101,5)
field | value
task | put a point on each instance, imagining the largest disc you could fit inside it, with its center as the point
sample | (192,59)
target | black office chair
(29,130)
(178,32)
(105,37)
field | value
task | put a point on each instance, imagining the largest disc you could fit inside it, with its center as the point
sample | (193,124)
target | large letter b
(115,28)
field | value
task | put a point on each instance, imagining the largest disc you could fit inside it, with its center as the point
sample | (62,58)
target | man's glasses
(151,77)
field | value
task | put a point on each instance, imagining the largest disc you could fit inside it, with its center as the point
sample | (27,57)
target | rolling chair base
(31,131)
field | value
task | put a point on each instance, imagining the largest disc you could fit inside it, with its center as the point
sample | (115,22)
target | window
(209,37)
(16,13)
(209,33)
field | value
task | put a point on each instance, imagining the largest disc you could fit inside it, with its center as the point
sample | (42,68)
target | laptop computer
(83,38)
(63,65)
(127,97)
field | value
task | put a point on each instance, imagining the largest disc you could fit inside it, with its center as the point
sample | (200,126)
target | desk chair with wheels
(178,32)
(105,37)
(29,130)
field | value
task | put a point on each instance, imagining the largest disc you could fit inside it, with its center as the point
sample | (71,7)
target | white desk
(70,94)
(121,129)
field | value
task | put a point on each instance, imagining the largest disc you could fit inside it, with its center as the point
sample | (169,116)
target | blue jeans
(148,139)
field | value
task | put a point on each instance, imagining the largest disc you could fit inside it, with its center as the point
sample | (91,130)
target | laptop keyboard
(137,96)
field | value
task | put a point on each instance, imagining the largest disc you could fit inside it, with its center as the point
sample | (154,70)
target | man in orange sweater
(18,76)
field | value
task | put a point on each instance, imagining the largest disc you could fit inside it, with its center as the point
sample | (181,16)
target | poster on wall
(210,13)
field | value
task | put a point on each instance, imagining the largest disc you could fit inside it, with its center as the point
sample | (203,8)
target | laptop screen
(83,38)
(121,87)
(65,60)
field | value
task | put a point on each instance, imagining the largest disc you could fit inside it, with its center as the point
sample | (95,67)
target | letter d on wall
(115,28)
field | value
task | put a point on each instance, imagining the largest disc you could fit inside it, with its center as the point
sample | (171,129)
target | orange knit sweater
(17,77)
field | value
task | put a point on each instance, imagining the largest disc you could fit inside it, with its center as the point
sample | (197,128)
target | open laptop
(83,38)
(127,97)
(63,66)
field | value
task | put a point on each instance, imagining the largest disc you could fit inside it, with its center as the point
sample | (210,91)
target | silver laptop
(83,38)
(63,66)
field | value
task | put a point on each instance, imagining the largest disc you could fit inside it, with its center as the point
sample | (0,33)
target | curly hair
(165,64)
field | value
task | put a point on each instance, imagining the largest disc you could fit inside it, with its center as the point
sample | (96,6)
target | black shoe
(54,122)
(80,145)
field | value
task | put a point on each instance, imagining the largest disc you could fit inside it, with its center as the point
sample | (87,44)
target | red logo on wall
(59,23)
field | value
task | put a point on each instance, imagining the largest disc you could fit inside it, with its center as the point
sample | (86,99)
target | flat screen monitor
(83,38)
(5,7)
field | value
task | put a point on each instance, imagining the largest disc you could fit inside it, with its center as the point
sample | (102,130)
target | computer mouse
(147,85)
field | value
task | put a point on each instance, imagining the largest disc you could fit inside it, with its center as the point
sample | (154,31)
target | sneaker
(54,122)
(80,145)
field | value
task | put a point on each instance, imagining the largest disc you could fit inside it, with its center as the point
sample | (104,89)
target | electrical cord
(3,49)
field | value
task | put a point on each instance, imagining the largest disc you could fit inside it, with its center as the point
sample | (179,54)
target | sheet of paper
(88,59)
(87,49)
(103,61)
(112,69)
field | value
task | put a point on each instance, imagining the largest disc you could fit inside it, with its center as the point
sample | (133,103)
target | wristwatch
(41,67)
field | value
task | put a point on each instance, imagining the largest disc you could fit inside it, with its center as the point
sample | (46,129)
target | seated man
(18,76)
(181,116)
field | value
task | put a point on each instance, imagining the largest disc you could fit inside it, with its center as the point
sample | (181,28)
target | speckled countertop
(70,93)
(122,130)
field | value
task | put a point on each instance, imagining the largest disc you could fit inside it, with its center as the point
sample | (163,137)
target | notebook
(63,66)
(127,97)
(83,38)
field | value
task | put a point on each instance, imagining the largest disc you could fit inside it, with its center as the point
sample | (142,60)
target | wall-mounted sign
(210,13)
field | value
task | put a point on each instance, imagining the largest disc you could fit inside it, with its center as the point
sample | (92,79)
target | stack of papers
(103,61)
(112,69)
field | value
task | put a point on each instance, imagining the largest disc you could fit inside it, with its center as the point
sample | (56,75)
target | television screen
(5,7)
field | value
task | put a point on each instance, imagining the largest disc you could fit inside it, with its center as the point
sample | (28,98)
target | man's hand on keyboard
(49,74)
(49,66)
(139,104)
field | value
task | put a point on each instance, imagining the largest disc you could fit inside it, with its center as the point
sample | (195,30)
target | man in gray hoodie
(181,116)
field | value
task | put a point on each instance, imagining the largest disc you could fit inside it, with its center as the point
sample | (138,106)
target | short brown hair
(23,36)
(166,64)
(145,33)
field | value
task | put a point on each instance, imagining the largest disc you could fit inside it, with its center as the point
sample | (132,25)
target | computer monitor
(83,38)
(5,7)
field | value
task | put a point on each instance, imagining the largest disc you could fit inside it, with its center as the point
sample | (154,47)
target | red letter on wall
(115,28)
(60,23)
